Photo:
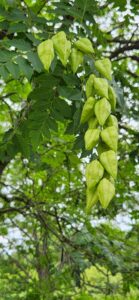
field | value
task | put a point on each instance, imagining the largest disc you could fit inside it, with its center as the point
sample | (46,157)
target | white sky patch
(123,221)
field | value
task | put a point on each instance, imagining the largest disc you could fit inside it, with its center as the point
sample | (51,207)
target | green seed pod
(92,198)
(92,123)
(90,85)
(62,47)
(109,161)
(46,53)
(88,109)
(112,97)
(106,192)
(91,138)
(76,59)
(84,45)
(102,110)
(110,136)
(104,67)
(109,177)
(111,121)
(94,173)
(102,147)
(101,87)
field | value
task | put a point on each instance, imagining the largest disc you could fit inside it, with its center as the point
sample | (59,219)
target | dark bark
(127,47)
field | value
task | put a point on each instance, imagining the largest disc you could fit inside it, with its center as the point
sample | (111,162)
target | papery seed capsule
(62,46)
(109,161)
(106,192)
(102,147)
(90,85)
(110,136)
(92,198)
(101,87)
(88,109)
(76,59)
(94,173)
(92,123)
(46,53)
(84,45)
(102,110)
(111,121)
(112,97)
(91,138)
(104,67)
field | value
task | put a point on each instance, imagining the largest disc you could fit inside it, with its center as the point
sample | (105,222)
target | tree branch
(132,74)
(134,46)
(133,57)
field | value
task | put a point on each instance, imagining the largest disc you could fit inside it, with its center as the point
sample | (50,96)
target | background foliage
(49,248)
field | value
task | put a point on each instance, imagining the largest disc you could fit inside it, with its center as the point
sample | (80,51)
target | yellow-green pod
(104,67)
(76,59)
(62,47)
(91,199)
(84,45)
(111,179)
(88,110)
(106,192)
(112,97)
(102,147)
(46,53)
(111,121)
(109,136)
(102,110)
(94,173)
(91,138)
(90,86)
(101,87)
(92,123)
(109,161)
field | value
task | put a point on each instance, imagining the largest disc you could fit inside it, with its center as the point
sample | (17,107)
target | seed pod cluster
(65,50)
(102,134)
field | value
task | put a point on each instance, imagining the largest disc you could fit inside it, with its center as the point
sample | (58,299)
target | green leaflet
(62,47)
(84,45)
(88,110)
(111,121)
(92,123)
(91,199)
(94,173)
(109,162)
(106,192)
(90,85)
(104,67)
(91,138)
(46,53)
(76,59)
(101,87)
(112,97)
(102,110)
(110,136)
